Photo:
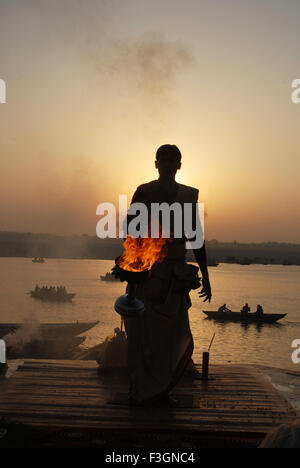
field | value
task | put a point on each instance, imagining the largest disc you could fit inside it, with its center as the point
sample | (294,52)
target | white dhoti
(160,343)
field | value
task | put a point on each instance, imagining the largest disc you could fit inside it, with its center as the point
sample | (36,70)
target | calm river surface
(275,287)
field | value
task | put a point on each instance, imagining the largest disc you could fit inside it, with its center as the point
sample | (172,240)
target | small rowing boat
(245,318)
(52,294)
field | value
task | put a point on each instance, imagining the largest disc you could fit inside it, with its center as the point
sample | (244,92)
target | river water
(275,287)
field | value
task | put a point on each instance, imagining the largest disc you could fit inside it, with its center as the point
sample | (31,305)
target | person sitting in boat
(246,309)
(223,308)
(259,311)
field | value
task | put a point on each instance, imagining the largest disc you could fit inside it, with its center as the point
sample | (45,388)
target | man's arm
(138,197)
(201,258)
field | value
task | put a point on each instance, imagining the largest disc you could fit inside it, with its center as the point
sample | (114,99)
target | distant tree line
(21,244)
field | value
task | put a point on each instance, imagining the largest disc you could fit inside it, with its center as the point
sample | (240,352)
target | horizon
(93,89)
(120,239)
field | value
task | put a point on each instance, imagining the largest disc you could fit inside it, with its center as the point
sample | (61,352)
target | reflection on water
(275,287)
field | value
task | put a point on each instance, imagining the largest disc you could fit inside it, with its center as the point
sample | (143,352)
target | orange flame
(141,254)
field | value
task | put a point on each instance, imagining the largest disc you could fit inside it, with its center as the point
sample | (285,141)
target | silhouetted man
(246,309)
(160,343)
(259,311)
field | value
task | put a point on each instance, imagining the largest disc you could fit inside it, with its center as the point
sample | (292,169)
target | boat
(52,294)
(245,261)
(245,318)
(46,296)
(38,260)
(212,263)
(108,277)
(52,329)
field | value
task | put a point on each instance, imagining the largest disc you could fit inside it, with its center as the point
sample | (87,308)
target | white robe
(160,342)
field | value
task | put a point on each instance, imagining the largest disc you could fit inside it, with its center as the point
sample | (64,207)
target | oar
(211,342)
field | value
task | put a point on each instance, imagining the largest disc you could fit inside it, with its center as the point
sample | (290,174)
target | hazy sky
(95,86)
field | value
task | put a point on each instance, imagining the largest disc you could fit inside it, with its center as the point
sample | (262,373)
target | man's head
(168,161)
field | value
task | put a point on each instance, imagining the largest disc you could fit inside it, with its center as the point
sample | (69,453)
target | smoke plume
(151,65)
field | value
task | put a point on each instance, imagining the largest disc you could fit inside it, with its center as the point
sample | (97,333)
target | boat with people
(108,277)
(52,293)
(38,260)
(230,316)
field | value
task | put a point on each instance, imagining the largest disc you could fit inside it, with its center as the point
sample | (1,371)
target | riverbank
(31,245)
(286,382)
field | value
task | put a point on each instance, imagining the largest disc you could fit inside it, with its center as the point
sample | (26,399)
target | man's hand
(206,289)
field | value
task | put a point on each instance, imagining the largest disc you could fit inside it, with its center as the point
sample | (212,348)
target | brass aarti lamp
(128,305)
